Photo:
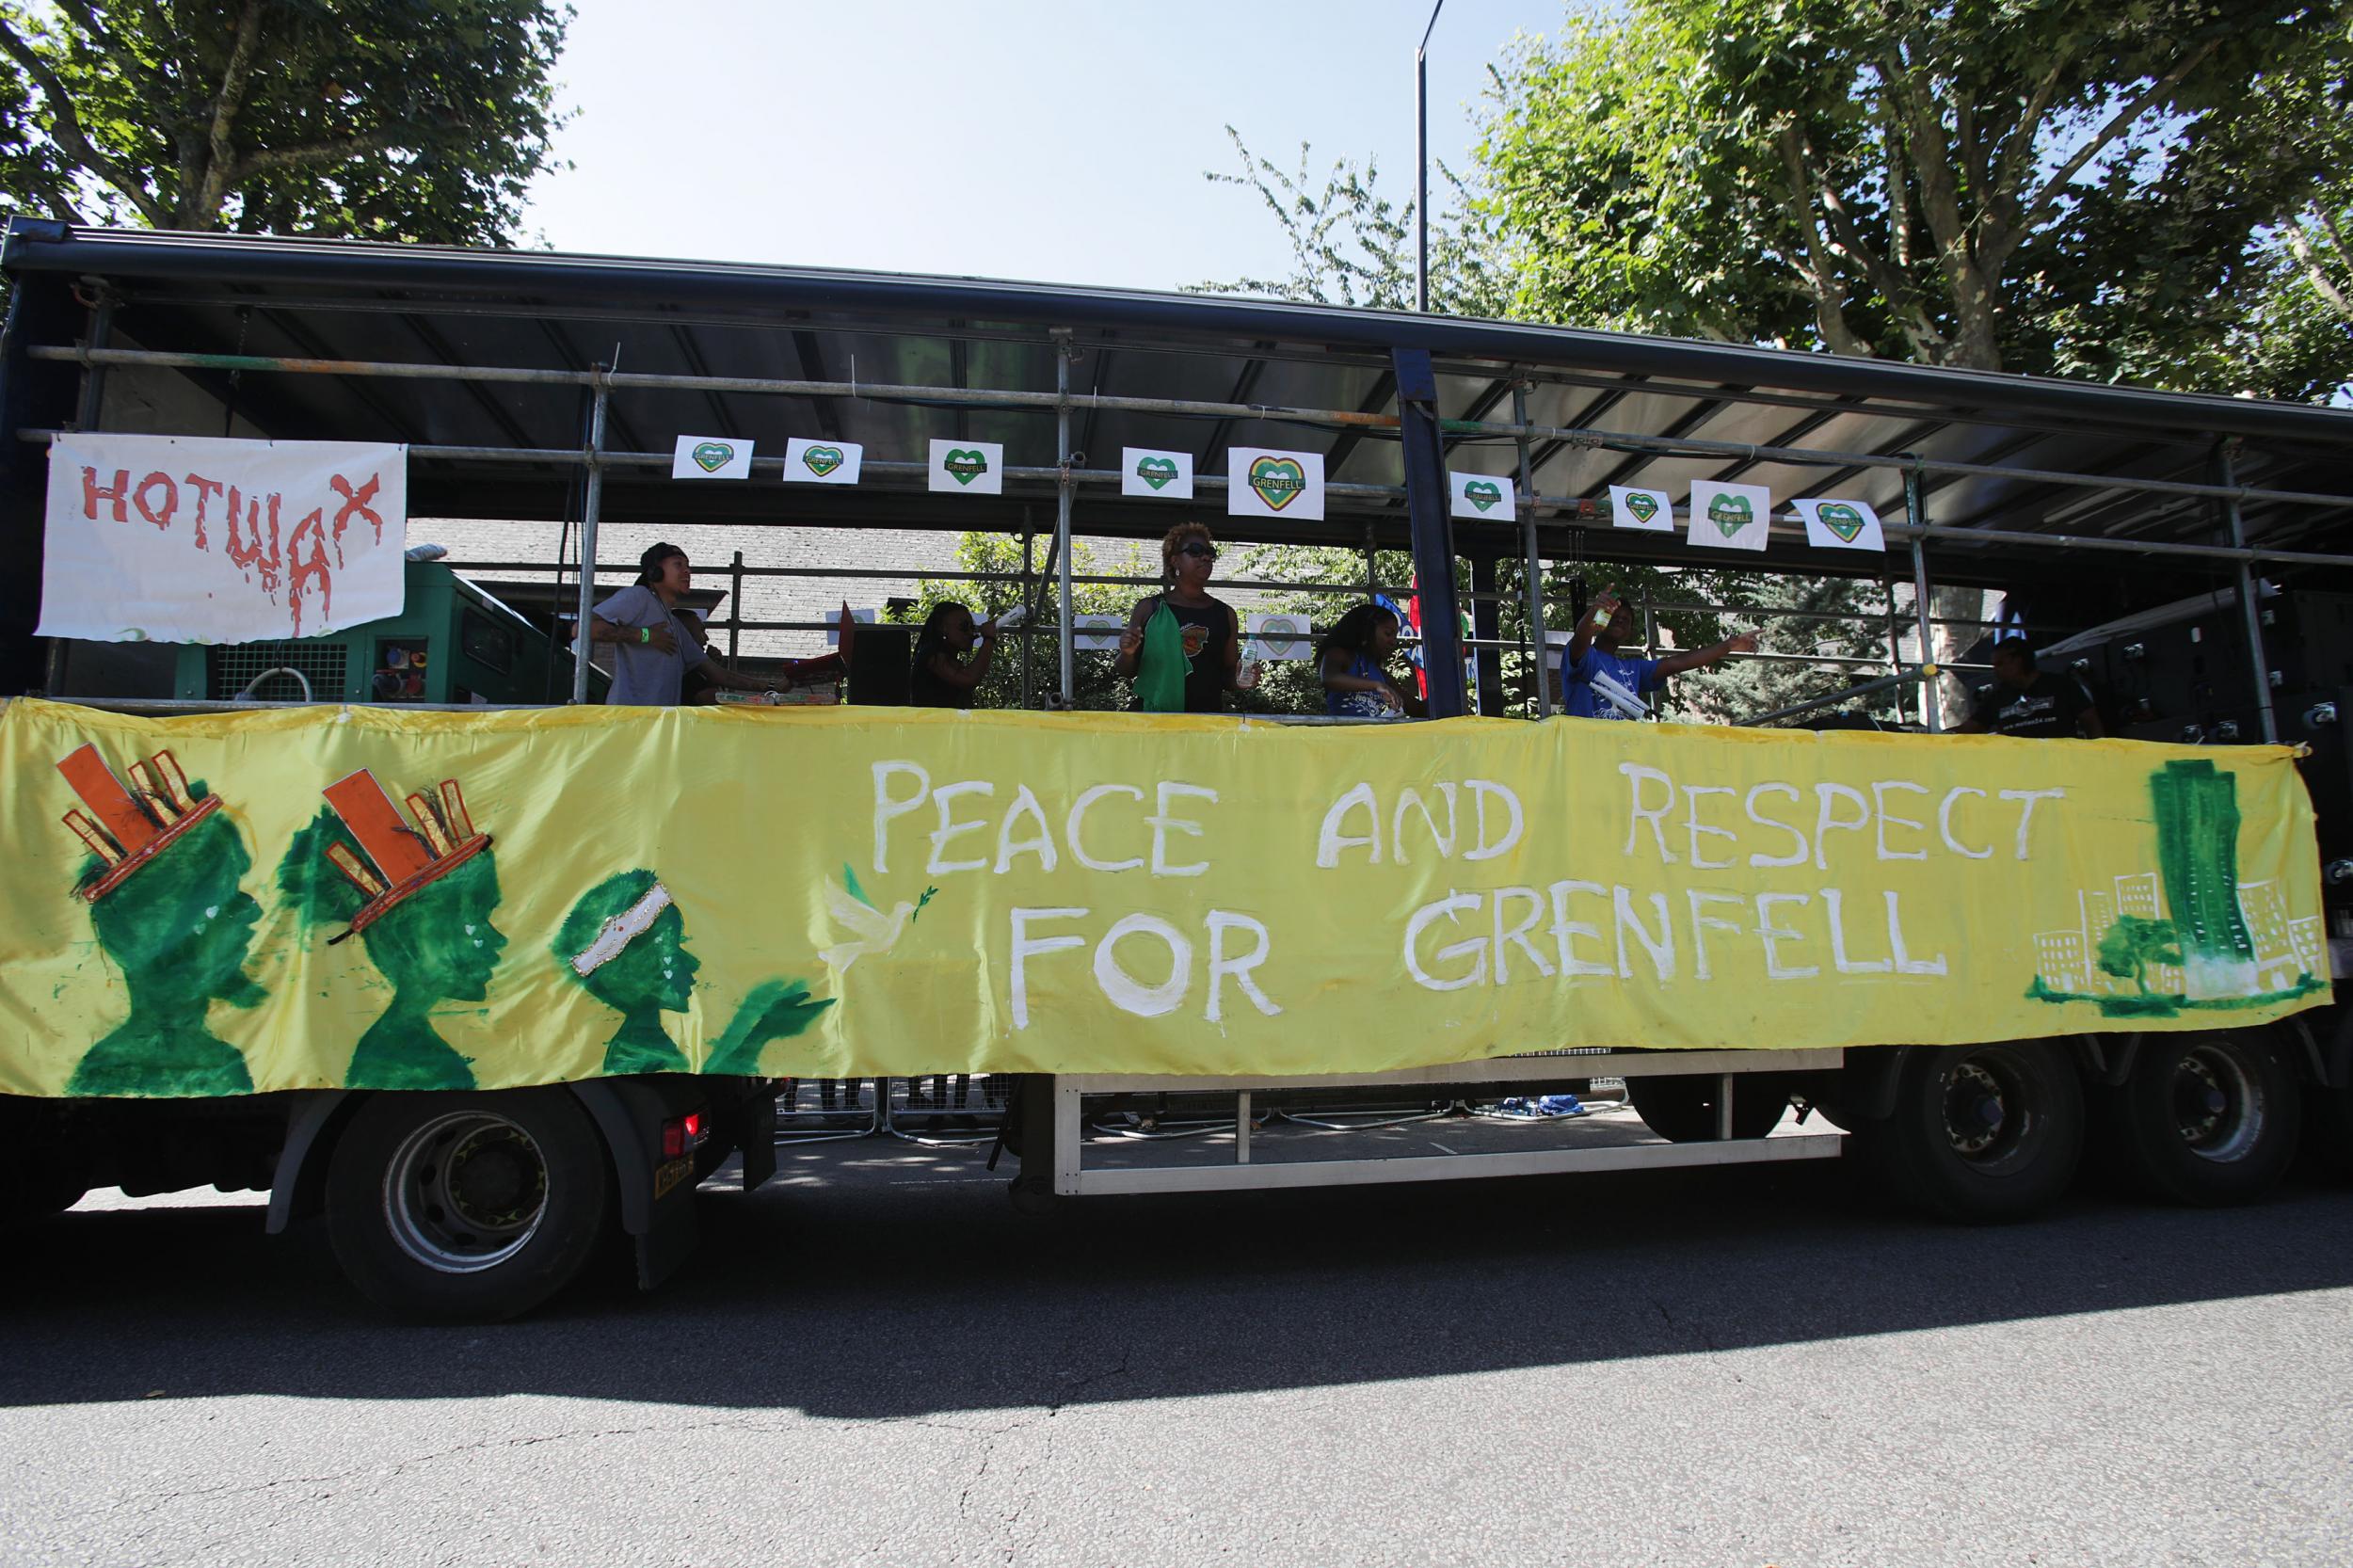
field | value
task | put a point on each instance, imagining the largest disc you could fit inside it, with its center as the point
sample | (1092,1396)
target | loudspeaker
(880,661)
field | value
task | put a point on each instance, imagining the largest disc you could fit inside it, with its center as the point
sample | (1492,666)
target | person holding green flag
(1182,648)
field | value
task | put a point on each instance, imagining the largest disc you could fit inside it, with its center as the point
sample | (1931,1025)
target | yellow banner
(311,897)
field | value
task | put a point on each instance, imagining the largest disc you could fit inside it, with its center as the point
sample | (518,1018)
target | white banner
(1729,516)
(198,539)
(821,462)
(711,458)
(1280,636)
(1649,510)
(977,466)
(1841,525)
(1262,482)
(1480,495)
(1148,472)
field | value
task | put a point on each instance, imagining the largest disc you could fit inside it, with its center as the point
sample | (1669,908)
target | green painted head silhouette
(435,945)
(165,905)
(626,943)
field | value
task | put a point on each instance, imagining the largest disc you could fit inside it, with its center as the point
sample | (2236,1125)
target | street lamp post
(1421,163)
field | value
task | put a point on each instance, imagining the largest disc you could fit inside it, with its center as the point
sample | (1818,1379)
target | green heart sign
(711,456)
(1643,504)
(963,465)
(1841,519)
(1731,513)
(1484,494)
(1279,481)
(821,460)
(1156,472)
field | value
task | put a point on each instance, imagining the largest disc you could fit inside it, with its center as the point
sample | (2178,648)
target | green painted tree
(397,119)
(2134,943)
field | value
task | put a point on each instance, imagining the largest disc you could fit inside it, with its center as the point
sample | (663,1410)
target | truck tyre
(1983,1133)
(1682,1109)
(2207,1119)
(467,1207)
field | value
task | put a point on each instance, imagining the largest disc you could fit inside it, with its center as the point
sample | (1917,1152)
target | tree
(2134,943)
(2063,188)
(405,119)
(1351,244)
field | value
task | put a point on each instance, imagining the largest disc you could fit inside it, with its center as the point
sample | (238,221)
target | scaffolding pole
(1540,655)
(588,513)
(2260,662)
(1933,687)
(1064,489)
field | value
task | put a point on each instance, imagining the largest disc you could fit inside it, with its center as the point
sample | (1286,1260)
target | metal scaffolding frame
(1066,480)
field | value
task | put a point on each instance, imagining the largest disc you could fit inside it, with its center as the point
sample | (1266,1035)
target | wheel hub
(1975,1111)
(465,1191)
(2216,1107)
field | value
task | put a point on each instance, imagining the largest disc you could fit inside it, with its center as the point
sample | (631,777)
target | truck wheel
(2206,1119)
(1982,1133)
(1682,1109)
(467,1206)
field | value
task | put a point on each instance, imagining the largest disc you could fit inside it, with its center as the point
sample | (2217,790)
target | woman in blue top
(1596,683)
(1354,660)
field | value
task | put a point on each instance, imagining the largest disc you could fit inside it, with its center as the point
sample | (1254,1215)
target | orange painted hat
(126,828)
(400,860)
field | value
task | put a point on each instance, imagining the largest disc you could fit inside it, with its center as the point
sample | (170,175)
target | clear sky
(1039,139)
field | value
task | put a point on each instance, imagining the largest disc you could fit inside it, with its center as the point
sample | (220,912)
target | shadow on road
(886,1291)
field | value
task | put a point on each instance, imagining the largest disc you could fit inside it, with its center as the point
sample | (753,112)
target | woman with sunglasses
(1182,648)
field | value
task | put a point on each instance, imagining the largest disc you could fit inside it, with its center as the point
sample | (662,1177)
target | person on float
(1597,682)
(942,676)
(1353,659)
(653,648)
(1182,648)
(2031,702)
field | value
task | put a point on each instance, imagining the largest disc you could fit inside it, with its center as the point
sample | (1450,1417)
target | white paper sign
(1651,511)
(863,617)
(1729,516)
(1480,496)
(1096,634)
(1264,482)
(821,462)
(711,458)
(198,539)
(1841,525)
(1148,472)
(976,468)
(1280,636)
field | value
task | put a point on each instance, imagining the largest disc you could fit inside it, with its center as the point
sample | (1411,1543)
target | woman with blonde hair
(1182,648)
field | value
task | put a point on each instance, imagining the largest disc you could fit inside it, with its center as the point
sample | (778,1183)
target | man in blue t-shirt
(1596,683)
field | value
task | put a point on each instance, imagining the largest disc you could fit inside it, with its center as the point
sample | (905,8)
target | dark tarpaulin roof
(344,300)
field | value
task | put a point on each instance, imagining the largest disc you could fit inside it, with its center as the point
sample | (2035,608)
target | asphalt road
(880,1361)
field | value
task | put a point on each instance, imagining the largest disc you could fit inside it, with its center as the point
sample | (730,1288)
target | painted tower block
(404,857)
(2197,810)
(128,828)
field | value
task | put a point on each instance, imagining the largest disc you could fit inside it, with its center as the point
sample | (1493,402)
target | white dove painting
(871,931)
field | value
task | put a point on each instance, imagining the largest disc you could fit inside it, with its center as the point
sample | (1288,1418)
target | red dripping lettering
(249,553)
(300,571)
(94,492)
(355,500)
(159,516)
(205,489)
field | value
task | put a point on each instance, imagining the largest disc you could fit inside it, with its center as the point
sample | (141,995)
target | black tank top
(1205,629)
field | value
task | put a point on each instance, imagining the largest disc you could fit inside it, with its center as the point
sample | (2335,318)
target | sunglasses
(1196,549)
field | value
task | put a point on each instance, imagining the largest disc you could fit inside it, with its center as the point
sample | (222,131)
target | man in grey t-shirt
(653,650)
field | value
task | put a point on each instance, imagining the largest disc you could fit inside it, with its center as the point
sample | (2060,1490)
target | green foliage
(1351,244)
(1099,686)
(396,120)
(2065,187)
(2134,943)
